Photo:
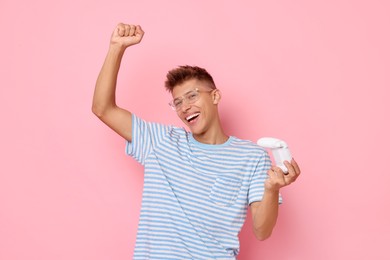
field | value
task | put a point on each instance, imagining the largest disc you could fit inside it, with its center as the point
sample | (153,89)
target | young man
(198,184)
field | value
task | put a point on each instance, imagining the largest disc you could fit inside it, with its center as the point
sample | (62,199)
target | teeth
(188,118)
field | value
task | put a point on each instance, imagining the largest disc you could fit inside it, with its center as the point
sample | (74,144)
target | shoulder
(158,125)
(158,131)
(247,146)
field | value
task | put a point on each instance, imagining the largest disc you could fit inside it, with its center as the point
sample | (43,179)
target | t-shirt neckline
(209,146)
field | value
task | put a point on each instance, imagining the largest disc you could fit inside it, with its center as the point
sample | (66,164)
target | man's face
(197,105)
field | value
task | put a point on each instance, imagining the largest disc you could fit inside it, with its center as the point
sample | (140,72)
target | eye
(192,96)
(178,102)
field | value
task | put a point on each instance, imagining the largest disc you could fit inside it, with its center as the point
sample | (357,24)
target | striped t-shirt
(195,195)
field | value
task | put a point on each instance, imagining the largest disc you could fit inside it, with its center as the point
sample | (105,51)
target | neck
(215,135)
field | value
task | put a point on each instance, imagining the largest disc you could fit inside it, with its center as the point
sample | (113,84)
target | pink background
(314,73)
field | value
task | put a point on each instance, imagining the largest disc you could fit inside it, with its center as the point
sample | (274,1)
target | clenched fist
(126,35)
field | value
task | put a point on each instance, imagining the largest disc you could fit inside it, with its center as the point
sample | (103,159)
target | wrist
(116,48)
(272,190)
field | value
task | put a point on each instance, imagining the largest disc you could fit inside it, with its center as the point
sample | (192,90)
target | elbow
(98,110)
(262,235)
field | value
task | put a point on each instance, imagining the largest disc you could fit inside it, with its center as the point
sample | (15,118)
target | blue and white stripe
(195,195)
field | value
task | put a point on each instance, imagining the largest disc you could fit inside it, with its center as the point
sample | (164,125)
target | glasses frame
(185,98)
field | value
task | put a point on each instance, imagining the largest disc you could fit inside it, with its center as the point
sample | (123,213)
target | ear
(216,95)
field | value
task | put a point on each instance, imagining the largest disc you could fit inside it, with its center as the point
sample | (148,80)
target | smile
(192,117)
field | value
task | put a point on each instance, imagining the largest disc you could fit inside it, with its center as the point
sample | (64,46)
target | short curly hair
(183,73)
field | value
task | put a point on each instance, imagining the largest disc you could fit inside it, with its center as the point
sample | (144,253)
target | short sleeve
(145,137)
(256,187)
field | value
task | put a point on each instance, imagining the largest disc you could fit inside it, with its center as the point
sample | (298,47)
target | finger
(292,174)
(138,30)
(121,29)
(296,166)
(277,171)
(290,168)
(132,30)
(127,30)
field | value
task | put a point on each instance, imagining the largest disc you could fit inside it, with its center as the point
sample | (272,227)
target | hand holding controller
(279,150)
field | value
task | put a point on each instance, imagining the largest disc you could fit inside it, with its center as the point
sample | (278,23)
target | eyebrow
(184,94)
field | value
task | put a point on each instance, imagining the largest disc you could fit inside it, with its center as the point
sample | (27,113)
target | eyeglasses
(190,97)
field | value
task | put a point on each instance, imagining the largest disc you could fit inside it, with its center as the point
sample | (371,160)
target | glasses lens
(177,103)
(190,98)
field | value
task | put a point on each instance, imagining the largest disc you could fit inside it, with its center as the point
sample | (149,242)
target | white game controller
(279,150)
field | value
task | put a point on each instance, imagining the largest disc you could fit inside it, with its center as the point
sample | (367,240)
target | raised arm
(104,105)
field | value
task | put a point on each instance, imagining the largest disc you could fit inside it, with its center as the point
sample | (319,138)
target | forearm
(104,95)
(266,215)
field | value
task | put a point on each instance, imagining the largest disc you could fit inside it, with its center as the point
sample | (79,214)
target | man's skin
(206,128)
